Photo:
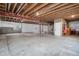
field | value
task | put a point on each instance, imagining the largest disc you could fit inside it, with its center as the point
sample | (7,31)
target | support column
(58,26)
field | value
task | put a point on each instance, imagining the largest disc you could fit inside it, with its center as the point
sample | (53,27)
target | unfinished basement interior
(39,29)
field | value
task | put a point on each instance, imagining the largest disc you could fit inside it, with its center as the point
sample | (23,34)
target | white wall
(45,29)
(14,25)
(74,25)
(58,27)
(35,28)
(51,28)
(30,28)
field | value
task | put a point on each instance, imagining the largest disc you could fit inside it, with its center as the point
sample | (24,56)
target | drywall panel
(45,29)
(24,27)
(10,24)
(14,25)
(7,25)
(30,28)
(34,28)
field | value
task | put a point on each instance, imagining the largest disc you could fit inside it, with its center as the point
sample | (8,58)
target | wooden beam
(9,6)
(51,6)
(32,6)
(21,9)
(36,9)
(2,9)
(68,11)
(63,13)
(65,7)
(14,7)
(6,5)
(54,8)
(2,6)
(12,15)
(13,10)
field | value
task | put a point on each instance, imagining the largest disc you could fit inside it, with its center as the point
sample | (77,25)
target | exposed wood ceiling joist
(64,11)
(58,9)
(14,7)
(48,8)
(39,7)
(6,5)
(12,15)
(45,11)
(32,6)
(9,6)
(21,9)
(67,9)
(70,12)
(2,6)
(1,9)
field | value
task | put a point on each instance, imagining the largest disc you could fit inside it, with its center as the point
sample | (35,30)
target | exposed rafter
(21,9)
(32,6)
(13,10)
(68,11)
(6,5)
(9,6)
(2,6)
(38,11)
(51,6)
(14,7)
(14,16)
(39,7)
(63,13)
(57,9)
(2,9)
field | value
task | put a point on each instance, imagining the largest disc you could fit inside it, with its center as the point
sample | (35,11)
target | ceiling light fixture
(37,13)
(73,16)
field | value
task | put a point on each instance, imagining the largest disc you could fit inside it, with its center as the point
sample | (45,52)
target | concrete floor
(36,45)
